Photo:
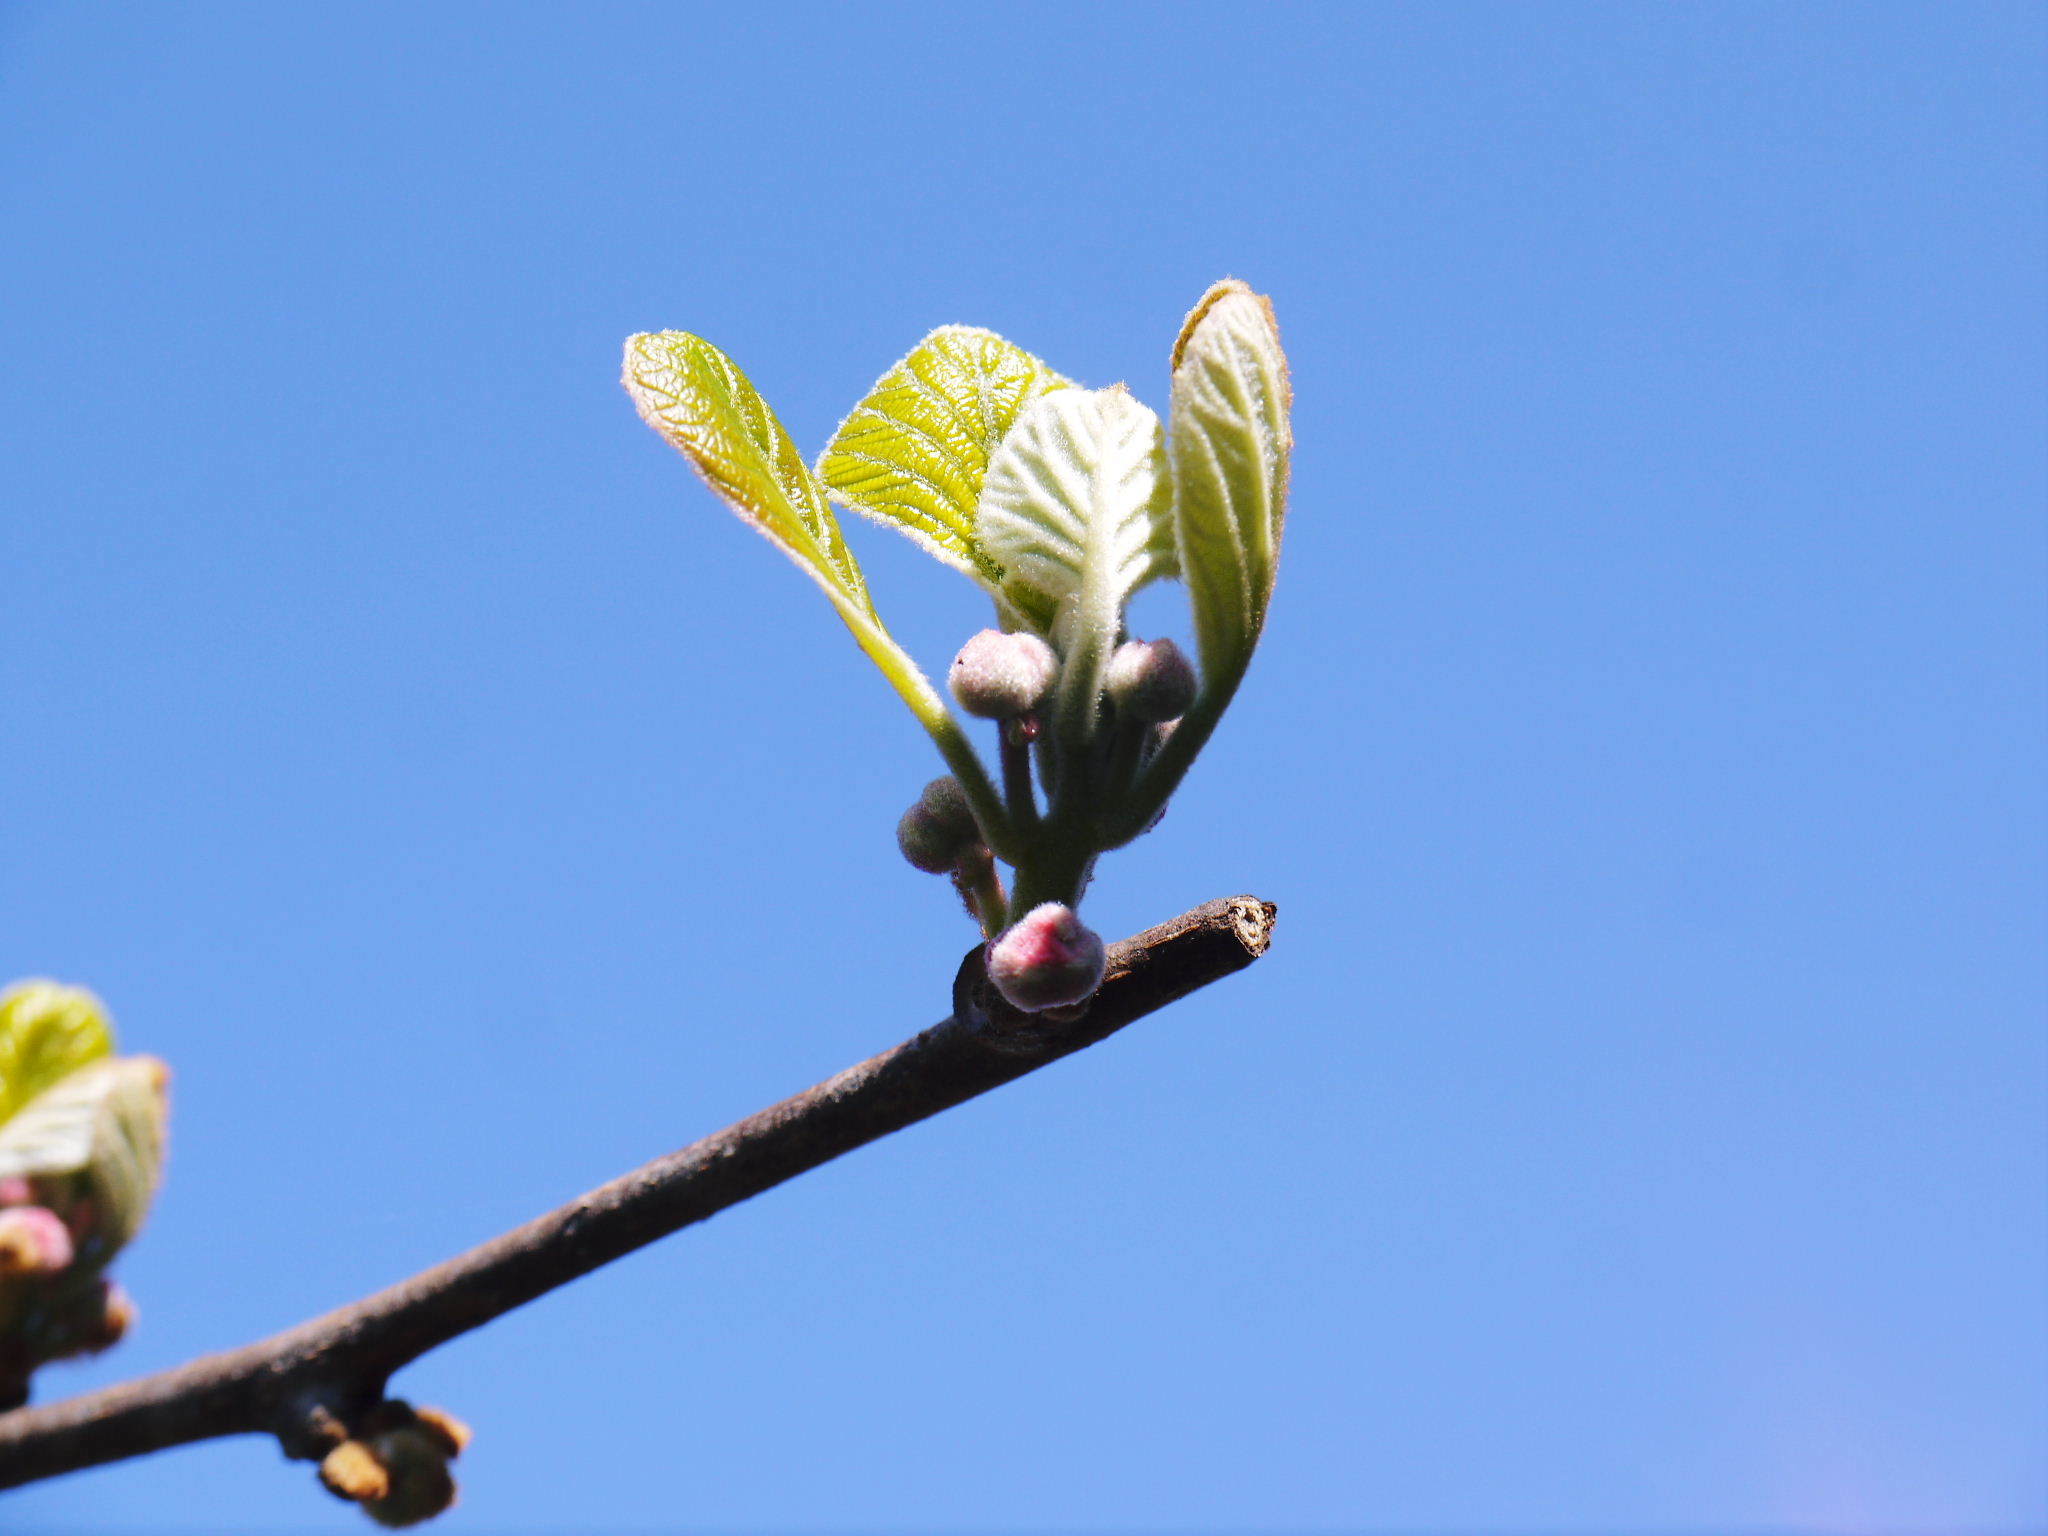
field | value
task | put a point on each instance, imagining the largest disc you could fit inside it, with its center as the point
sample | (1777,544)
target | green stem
(915,689)
(1016,760)
(1058,871)
(982,889)
(1131,736)
(1161,777)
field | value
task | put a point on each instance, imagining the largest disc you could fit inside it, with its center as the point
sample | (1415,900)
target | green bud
(939,830)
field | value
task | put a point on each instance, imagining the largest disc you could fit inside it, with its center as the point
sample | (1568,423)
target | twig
(302,1385)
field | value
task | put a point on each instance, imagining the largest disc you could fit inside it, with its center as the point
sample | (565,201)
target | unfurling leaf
(47,1032)
(915,452)
(1074,497)
(1228,443)
(102,1129)
(697,398)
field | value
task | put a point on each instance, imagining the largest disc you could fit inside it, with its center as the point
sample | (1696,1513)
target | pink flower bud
(940,829)
(1046,960)
(999,676)
(1150,680)
(33,1241)
(14,1191)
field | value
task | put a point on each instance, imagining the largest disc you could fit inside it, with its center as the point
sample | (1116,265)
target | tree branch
(307,1385)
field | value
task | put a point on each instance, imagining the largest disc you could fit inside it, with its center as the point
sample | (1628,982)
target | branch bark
(302,1384)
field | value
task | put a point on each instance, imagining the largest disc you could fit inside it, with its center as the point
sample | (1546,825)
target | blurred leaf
(697,398)
(47,1032)
(103,1125)
(915,452)
(1228,443)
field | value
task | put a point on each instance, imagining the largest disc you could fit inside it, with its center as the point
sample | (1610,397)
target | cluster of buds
(54,1301)
(1062,503)
(81,1147)
(1041,957)
(396,1464)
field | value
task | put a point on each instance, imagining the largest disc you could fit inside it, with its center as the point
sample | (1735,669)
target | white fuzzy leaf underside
(1073,506)
(105,1122)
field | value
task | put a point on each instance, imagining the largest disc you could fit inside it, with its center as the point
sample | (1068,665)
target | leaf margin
(1214,509)
(776,493)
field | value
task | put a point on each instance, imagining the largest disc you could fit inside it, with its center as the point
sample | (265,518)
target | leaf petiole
(916,691)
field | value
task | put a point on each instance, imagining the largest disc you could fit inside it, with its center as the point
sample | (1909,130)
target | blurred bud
(1046,960)
(114,1316)
(940,829)
(14,1191)
(999,676)
(351,1471)
(396,1466)
(421,1486)
(69,1317)
(448,1431)
(1151,680)
(33,1241)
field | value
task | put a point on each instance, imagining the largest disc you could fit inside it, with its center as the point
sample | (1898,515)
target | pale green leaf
(697,398)
(915,452)
(1073,497)
(1228,443)
(103,1125)
(47,1032)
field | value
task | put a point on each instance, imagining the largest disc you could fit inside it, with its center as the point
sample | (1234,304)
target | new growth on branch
(1062,503)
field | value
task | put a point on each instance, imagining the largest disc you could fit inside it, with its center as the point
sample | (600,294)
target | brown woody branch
(305,1385)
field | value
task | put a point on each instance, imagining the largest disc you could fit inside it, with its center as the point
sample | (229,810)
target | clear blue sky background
(1639,1124)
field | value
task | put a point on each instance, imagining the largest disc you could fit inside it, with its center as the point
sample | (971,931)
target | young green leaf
(103,1124)
(697,398)
(1228,443)
(915,452)
(47,1032)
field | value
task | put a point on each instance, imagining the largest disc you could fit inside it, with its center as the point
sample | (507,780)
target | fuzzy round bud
(1000,677)
(1151,680)
(928,846)
(939,829)
(1046,960)
(14,1190)
(33,1241)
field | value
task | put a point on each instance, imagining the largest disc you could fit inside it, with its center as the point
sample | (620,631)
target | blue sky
(1638,1124)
